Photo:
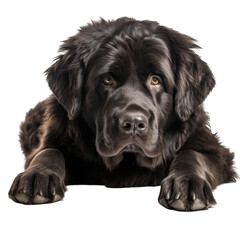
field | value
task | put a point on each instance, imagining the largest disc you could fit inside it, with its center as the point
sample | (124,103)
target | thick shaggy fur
(126,111)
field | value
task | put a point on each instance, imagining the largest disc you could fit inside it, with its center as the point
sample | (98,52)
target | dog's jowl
(126,110)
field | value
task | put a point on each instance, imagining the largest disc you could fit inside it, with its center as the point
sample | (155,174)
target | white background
(30,33)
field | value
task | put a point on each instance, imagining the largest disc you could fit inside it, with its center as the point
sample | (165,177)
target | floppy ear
(65,76)
(193,78)
(194,82)
(65,79)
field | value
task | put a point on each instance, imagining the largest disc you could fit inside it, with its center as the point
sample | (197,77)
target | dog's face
(129,80)
(128,97)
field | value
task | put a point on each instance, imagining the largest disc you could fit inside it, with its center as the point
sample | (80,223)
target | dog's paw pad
(22,198)
(178,205)
(197,205)
(39,199)
(57,198)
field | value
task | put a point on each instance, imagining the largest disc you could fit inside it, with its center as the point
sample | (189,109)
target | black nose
(133,122)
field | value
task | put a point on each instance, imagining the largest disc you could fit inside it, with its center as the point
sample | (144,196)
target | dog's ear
(193,78)
(194,83)
(65,78)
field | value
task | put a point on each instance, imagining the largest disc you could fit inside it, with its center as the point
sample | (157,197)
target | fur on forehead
(123,54)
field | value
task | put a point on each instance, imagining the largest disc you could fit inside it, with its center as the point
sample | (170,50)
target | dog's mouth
(130,145)
(141,158)
(132,148)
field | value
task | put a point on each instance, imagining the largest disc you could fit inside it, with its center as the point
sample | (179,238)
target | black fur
(126,110)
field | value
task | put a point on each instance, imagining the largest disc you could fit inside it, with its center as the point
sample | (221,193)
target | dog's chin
(132,148)
(142,160)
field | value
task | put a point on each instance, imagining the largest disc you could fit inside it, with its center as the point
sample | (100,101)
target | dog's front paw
(34,187)
(188,193)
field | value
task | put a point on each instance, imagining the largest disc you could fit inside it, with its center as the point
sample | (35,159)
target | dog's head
(128,80)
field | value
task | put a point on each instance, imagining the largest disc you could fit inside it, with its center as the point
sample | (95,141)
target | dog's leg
(42,181)
(189,183)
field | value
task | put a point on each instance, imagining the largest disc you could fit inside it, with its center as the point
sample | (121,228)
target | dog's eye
(108,81)
(155,80)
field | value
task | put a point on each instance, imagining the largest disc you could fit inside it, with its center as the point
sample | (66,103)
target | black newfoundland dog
(126,111)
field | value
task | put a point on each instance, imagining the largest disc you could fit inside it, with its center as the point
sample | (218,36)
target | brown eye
(155,80)
(108,81)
